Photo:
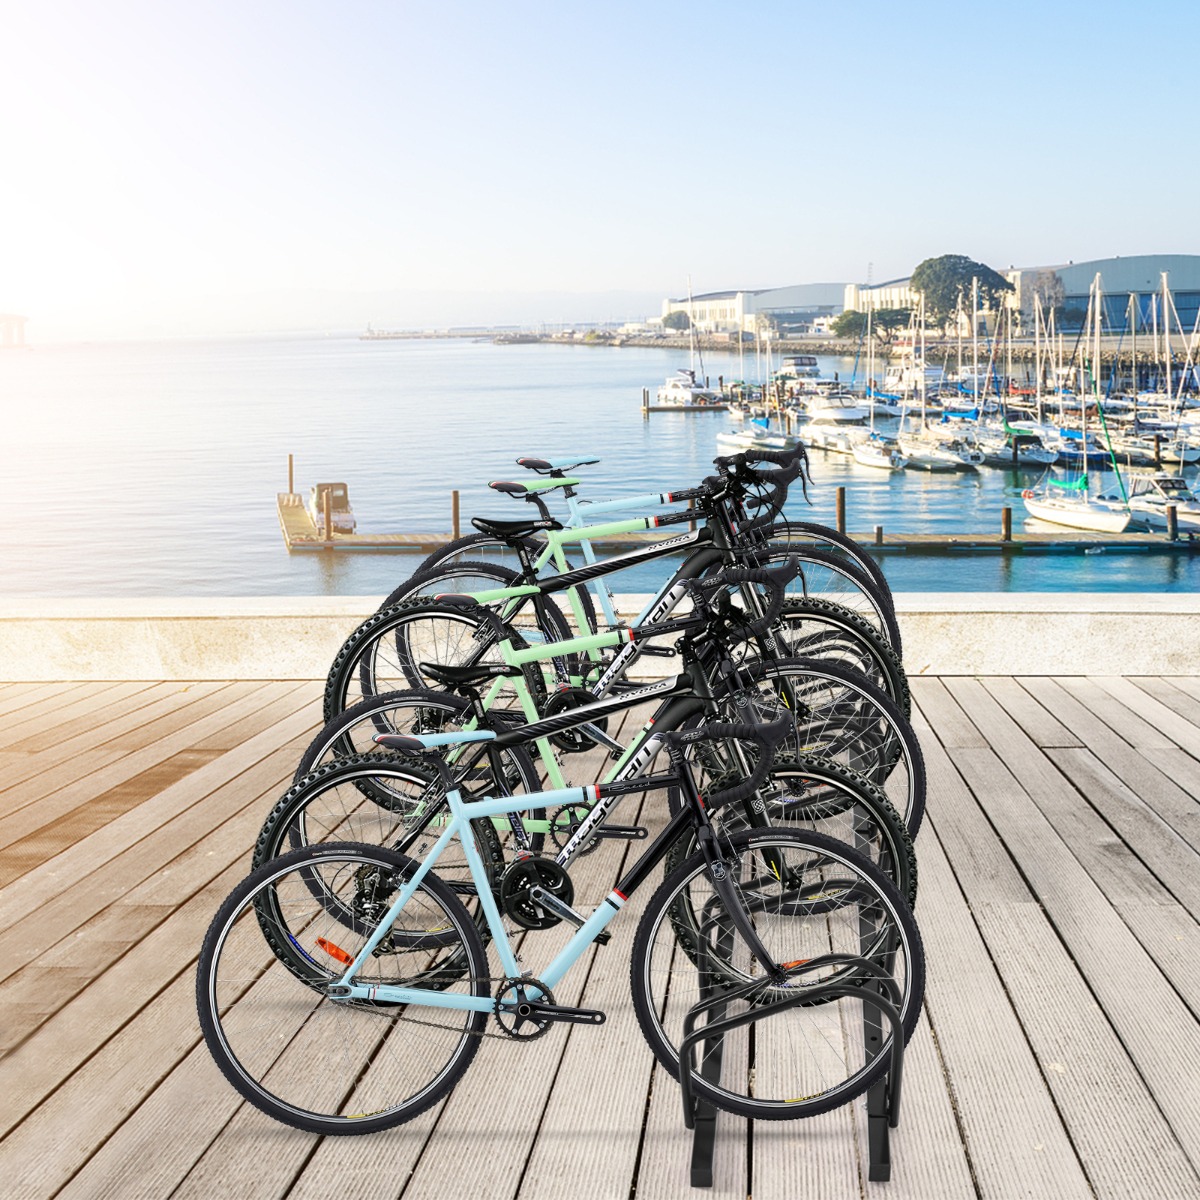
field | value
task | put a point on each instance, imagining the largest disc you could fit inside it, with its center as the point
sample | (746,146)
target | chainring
(572,741)
(510,1016)
(565,823)
(520,878)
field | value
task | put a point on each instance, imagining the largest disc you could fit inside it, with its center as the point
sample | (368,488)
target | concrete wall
(297,637)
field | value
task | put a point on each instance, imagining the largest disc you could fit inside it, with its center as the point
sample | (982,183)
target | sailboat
(876,450)
(1071,503)
(928,449)
(684,389)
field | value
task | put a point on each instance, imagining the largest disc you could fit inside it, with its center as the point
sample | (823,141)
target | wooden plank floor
(1057,1055)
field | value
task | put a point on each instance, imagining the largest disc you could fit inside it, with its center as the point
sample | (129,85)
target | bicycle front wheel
(327,1065)
(841,940)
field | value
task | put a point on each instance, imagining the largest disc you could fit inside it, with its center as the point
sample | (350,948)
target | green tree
(884,323)
(677,320)
(849,324)
(946,281)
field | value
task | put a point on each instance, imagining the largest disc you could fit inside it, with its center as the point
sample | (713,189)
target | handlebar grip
(774,579)
(768,737)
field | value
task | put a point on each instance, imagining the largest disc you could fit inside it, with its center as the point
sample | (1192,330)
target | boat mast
(1037,352)
(1166,309)
(975,338)
(870,372)
(921,371)
(1133,316)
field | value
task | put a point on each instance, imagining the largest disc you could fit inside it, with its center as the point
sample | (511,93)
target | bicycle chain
(477,1033)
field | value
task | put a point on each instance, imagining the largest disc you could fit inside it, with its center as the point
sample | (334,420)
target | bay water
(151,469)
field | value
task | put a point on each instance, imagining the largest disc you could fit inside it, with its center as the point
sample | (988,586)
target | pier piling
(879,535)
(328,515)
(841,510)
(291,475)
(645,404)
(454,514)
(1006,524)
(1172,520)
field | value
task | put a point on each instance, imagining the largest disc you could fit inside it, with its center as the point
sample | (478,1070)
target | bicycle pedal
(659,651)
(633,833)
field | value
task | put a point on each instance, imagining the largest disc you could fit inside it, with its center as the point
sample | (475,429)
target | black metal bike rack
(881,1001)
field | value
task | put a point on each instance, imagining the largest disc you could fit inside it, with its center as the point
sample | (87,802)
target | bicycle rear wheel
(839,715)
(334,1066)
(839,936)
(385,653)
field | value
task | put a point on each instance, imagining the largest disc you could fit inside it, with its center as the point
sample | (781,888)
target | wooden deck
(1057,1058)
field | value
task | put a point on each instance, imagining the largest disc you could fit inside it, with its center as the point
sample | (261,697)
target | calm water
(151,469)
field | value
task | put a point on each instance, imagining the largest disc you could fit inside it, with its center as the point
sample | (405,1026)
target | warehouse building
(787,309)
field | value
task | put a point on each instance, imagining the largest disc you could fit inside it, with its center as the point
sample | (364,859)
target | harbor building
(1065,287)
(788,309)
(1136,275)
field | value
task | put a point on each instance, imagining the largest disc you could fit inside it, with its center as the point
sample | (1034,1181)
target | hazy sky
(213,165)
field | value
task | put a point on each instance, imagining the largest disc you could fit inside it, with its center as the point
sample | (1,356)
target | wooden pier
(301,534)
(1055,1057)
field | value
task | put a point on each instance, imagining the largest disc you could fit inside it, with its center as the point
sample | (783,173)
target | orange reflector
(334,951)
(796,962)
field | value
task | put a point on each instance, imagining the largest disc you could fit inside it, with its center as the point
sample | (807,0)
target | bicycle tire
(845,718)
(820,796)
(549,622)
(475,544)
(796,1061)
(424,630)
(415,712)
(317,1064)
(831,577)
(799,532)
(331,805)
(836,634)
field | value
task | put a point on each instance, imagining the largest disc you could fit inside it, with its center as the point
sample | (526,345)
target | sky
(217,166)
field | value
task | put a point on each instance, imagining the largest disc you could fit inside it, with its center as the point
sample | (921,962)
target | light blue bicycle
(344,988)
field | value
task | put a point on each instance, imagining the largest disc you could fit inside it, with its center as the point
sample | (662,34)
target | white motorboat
(755,437)
(799,366)
(1149,497)
(928,450)
(682,390)
(835,407)
(341,516)
(881,452)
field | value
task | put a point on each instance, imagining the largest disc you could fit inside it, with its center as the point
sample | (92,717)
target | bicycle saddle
(514,529)
(471,673)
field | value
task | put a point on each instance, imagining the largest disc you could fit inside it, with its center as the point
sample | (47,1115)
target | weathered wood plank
(1157,777)
(1175,729)
(44,776)
(1096,936)
(43,883)
(175,862)
(55,711)
(953,726)
(1015,1139)
(1117,716)
(1042,728)
(1167,691)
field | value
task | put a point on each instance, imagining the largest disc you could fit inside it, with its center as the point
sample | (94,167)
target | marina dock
(301,534)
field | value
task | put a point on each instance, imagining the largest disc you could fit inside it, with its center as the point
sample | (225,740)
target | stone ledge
(296,637)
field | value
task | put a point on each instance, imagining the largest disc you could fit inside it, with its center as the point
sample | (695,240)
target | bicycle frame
(462,813)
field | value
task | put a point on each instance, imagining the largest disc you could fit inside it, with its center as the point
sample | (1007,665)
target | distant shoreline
(1022,351)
